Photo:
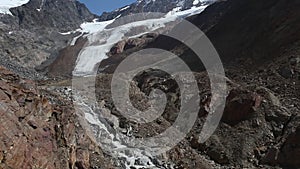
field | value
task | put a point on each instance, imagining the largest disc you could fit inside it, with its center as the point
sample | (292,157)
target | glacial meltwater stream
(95,118)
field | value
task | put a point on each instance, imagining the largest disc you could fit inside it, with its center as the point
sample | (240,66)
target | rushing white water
(100,41)
(109,137)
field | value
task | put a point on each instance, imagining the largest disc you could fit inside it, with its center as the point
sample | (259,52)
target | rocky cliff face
(40,129)
(63,15)
(31,35)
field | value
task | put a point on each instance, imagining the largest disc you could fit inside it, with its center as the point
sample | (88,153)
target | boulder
(290,152)
(240,105)
(118,47)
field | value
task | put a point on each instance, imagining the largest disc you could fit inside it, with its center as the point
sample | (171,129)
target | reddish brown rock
(37,134)
(240,106)
(64,64)
(131,43)
(83,159)
(118,47)
(127,44)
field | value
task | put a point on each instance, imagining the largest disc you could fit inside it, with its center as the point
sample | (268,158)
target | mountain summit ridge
(64,15)
(159,6)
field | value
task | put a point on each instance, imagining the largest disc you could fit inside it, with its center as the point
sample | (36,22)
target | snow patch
(5,5)
(41,6)
(126,7)
(93,27)
(70,32)
(75,39)
(182,14)
(196,2)
(108,139)
(175,10)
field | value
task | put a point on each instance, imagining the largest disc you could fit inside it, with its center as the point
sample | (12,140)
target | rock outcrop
(29,49)
(131,43)
(241,105)
(37,132)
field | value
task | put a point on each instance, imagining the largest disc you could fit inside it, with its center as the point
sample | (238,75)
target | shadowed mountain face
(251,30)
(245,33)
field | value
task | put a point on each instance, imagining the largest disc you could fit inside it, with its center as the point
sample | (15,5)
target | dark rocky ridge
(251,30)
(248,31)
(243,32)
(29,48)
(63,15)
(144,6)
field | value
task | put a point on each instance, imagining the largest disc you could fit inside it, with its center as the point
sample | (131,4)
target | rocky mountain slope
(64,15)
(241,38)
(6,5)
(258,42)
(31,34)
(253,30)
